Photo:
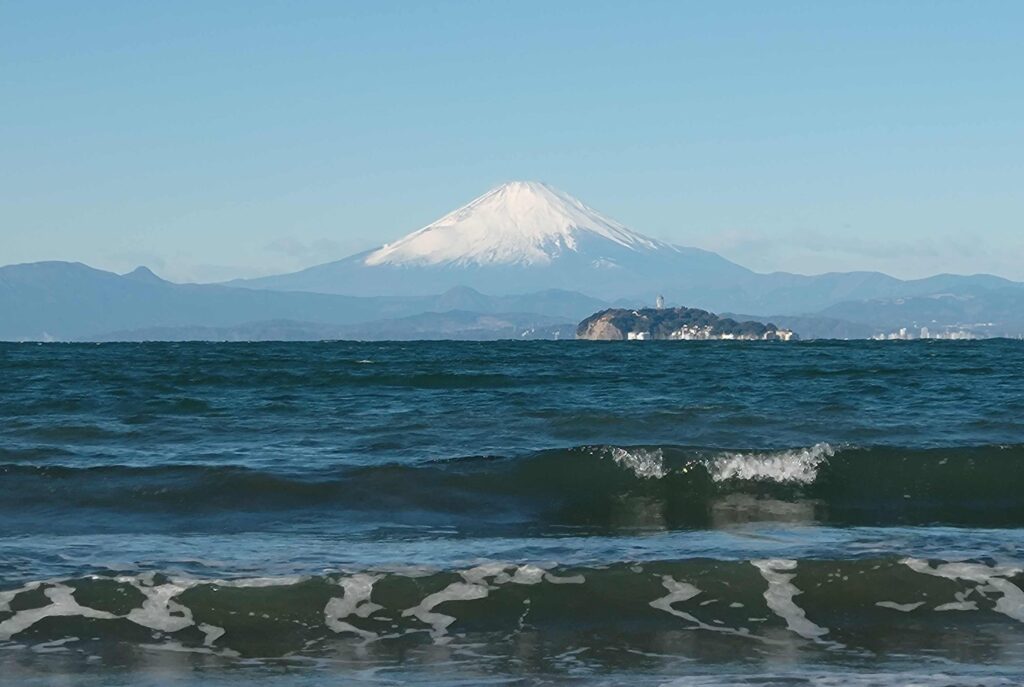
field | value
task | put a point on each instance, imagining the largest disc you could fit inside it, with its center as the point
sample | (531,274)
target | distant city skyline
(235,140)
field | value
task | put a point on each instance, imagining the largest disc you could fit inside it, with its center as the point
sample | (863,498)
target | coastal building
(951,332)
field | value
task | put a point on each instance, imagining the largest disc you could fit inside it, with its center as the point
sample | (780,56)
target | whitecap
(793,466)
(644,463)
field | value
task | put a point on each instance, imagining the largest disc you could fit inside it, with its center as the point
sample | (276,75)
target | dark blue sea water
(528,513)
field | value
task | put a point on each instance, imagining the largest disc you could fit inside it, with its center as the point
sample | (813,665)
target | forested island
(683,324)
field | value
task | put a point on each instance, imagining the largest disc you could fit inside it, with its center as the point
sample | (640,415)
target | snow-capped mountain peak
(518,223)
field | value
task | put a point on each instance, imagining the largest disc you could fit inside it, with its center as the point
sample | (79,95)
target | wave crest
(578,486)
(798,466)
(644,463)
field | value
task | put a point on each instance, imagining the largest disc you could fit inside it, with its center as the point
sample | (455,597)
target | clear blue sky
(217,139)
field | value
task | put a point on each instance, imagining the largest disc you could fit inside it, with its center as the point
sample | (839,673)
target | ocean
(512,513)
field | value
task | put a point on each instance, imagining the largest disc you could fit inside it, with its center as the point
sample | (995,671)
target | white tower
(659,303)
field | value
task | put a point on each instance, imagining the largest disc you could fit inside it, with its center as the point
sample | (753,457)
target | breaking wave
(581,486)
(645,464)
(796,466)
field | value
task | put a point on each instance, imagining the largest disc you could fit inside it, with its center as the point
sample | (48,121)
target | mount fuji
(521,260)
(523,223)
(521,236)
(525,236)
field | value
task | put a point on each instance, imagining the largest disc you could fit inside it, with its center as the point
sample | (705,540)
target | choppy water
(663,513)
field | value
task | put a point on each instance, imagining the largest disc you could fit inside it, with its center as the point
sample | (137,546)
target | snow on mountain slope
(520,237)
(518,223)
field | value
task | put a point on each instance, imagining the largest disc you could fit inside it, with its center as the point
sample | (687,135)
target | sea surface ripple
(644,513)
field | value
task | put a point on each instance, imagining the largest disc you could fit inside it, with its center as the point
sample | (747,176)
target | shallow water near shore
(662,513)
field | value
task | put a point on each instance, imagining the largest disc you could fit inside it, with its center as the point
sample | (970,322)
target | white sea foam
(439,622)
(211,633)
(62,603)
(477,583)
(527,574)
(903,608)
(475,586)
(179,648)
(793,466)
(679,592)
(959,605)
(56,646)
(989,579)
(356,601)
(644,463)
(840,678)
(159,610)
(779,596)
(8,596)
(243,582)
(480,573)
(566,579)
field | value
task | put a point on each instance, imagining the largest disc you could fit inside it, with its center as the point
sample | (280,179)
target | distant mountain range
(71,301)
(430,326)
(518,237)
(523,260)
(523,236)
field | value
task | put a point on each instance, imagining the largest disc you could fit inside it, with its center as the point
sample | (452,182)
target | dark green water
(656,513)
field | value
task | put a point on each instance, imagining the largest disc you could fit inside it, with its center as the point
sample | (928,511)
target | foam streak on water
(780,594)
(989,580)
(356,601)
